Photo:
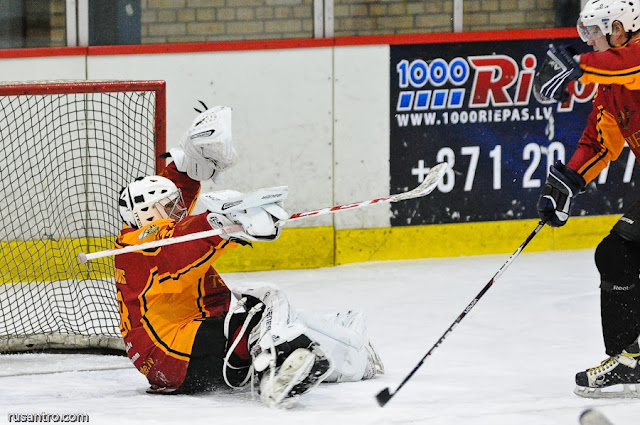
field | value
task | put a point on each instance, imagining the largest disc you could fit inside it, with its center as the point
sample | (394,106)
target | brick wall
(480,15)
(174,21)
(58,23)
(365,17)
(204,20)
(166,21)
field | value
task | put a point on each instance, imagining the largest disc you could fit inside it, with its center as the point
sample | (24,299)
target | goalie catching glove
(562,185)
(258,212)
(205,149)
(558,69)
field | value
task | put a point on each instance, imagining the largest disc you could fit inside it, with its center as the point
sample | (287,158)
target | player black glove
(561,186)
(557,70)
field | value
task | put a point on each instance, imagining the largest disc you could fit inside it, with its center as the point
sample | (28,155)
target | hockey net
(67,149)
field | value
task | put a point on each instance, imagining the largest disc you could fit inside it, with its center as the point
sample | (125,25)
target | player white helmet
(597,17)
(149,199)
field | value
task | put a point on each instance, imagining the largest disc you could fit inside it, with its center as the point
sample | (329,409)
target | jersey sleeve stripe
(611,73)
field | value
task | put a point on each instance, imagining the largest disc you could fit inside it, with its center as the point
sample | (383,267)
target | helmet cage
(172,206)
(149,199)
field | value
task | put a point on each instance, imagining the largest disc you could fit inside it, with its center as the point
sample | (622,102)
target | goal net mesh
(67,150)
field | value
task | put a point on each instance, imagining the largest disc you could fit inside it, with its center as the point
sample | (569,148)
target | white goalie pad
(341,337)
(279,319)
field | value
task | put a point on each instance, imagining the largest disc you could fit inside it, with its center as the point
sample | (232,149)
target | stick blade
(427,186)
(383,397)
(593,417)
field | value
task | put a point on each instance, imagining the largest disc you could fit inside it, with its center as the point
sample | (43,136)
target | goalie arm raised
(206,147)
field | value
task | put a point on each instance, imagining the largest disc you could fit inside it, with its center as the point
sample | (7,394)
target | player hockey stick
(385,395)
(593,417)
(427,186)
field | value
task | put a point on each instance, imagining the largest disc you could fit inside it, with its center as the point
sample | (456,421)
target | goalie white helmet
(149,199)
(597,17)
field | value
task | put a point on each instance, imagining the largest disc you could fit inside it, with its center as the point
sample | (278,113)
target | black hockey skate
(615,377)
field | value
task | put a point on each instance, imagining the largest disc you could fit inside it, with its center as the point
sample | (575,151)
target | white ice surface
(511,361)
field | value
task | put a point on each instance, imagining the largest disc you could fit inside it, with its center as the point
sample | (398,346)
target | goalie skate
(374,365)
(301,371)
(615,377)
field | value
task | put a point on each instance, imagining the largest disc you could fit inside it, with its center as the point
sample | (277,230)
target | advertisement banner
(471,105)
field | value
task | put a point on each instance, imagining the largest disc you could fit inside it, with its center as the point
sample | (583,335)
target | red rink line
(221,46)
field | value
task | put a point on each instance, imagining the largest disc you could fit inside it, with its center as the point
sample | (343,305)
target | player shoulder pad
(151,232)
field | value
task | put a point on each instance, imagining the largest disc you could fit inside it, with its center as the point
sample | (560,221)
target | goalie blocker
(258,212)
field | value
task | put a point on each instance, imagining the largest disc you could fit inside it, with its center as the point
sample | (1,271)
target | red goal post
(68,147)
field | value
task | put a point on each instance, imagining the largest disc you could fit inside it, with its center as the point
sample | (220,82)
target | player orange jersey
(164,293)
(615,118)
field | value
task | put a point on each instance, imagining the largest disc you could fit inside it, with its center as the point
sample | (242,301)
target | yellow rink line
(314,247)
(450,240)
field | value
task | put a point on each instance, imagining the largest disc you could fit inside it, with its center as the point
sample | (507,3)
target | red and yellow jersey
(164,293)
(615,118)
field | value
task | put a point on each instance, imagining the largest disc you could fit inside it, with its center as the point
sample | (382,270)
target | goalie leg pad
(343,337)
(336,341)
(281,334)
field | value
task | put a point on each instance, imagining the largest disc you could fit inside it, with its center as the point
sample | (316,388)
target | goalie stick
(427,186)
(385,395)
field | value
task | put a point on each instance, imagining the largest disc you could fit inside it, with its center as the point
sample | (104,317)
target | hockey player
(176,321)
(611,27)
